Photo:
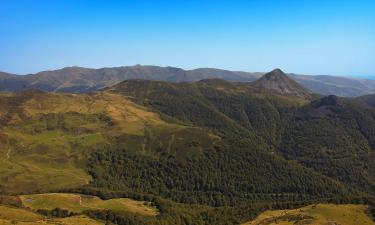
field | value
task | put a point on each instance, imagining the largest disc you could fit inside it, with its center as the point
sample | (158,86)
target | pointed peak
(277,70)
(275,73)
(277,81)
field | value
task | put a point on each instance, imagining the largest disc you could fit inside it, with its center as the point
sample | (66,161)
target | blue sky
(312,37)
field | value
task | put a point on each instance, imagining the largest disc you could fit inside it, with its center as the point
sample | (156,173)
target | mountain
(367,99)
(46,135)
(277,81)
(83,80)
(106,139)
(335,85)
(203,152)
(78,79)
(11,82)
(327,134)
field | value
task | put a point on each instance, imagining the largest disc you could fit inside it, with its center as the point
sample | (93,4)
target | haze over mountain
(81,80)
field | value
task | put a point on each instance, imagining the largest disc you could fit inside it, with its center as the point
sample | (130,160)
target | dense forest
(331,135)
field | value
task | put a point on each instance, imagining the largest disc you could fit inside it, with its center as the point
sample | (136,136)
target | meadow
(78,203)
(11,216)
(320,214)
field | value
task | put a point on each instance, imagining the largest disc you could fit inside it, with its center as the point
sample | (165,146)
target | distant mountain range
(81,80)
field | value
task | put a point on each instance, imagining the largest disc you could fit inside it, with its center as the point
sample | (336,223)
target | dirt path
(8,153)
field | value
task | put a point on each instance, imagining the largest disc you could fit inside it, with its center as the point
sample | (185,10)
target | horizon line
(366,77)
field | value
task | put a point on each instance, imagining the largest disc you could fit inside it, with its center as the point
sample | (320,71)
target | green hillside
(335,137)
(331,135)
(207,152)
(47,135)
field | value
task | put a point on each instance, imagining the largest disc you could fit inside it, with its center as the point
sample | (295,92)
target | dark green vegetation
(218,178)
(208,152)
(84,80)
(335,137)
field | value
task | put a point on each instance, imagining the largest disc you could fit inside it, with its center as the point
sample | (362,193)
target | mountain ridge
(82,80)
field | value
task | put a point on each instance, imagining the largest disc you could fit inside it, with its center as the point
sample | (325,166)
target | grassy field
(320,214)
(11,216)
(72,202)
(78,203)
(47,135)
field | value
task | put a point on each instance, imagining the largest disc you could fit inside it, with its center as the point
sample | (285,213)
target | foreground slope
(47,135)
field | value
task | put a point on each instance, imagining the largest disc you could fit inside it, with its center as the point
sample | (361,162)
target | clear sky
(303,36)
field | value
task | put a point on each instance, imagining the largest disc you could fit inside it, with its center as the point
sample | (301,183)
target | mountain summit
(279,82)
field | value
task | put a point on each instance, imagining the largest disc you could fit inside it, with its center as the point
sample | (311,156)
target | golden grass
(73,202)
(130,117)
(77,220)
(10,213)
(29,160)
(320,214)
(34,158)
(11,216)
(78,203)
(33,171)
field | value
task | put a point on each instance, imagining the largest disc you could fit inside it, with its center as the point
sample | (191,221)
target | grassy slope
(78,203)
(321,214)
(46,135)
(10,215)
